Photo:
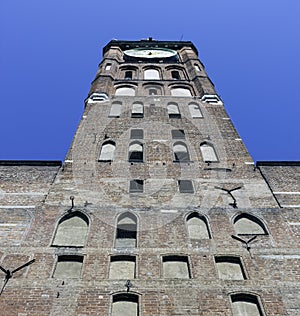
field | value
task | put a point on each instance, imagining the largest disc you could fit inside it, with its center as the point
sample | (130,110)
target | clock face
(150,53)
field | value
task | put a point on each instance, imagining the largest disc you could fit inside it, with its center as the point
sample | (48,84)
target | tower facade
(158,208)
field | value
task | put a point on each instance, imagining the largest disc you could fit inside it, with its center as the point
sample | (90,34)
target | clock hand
(3,270)
(23,266)
(9,274)
(239,239)
(5,281)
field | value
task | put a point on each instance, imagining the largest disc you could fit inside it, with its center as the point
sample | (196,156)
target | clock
(150,53)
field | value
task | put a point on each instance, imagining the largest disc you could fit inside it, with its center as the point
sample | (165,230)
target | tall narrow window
(71,230)
(195,110)
(181,92)
(136,186)
(122,267)
(107,151)
(137,110)
(176,267)
(152,91)
(136,153)
(181,153)
(197,67)
(128,75)
(126,91)
(245,305)
(108,67)
(185,186)
(126,231)
(68,267)
(230,268)
(115,110)
(197,227)
(151,74)
(173,110)
(125,304)
(175,75)
(208,152)
(246,224)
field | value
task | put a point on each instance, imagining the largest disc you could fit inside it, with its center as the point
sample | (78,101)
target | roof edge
(48,163)
(125,44)
(277,163)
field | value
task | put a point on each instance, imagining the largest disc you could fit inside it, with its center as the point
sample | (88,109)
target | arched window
(197,227)
(125,304)
(137,109)
(115,110)
(128,75)
(181,153)
(195,110)
(151,74)
(230,268)
(136,153)
(125,91)
(246,224)
(180,92)
(173,110)
(208,152)
(126,231)
(245,305)
(122,267)
(107,151)
(71,231)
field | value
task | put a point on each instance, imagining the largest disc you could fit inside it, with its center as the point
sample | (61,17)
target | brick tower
(158,208)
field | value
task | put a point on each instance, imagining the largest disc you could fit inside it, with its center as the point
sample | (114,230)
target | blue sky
(49,52)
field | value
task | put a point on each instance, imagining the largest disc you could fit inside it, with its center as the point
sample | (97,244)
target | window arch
(246,224)
(208,152)
(246,305)
(115,110)
(173,110)
(195,111)
(107,152)
(137,109)
(197,226)
(126,231)
(181,152)
(136,152)
(125,90)
(181,92)
(71,230)
(151,74)
(125,304)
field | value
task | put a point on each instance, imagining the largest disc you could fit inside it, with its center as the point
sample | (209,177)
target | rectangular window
(178,134)
(136,186)
(136,134)
(230,268)
(122,267)
(176,267)
(68,266)
(185,186)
